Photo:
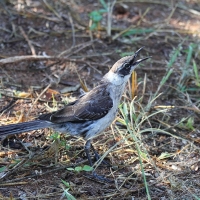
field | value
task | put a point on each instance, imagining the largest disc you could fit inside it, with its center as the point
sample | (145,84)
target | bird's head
(123,68)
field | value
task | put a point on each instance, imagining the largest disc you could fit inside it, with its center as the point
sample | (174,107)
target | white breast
(100,125)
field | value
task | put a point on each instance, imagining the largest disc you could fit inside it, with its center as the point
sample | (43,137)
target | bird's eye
(126,66)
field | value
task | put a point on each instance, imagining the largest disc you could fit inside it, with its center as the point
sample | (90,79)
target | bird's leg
(89,146)
(97,156)
(87,151)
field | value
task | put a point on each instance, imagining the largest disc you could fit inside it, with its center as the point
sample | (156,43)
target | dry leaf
(23,94)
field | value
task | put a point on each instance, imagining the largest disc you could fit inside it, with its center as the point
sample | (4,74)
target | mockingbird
(92,112)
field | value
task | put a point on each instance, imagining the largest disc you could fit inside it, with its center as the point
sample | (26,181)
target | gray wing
(92,106)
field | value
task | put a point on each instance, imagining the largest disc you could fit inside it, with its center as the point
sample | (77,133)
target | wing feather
(92,106)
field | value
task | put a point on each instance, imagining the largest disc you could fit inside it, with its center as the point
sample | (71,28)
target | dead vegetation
(50,49)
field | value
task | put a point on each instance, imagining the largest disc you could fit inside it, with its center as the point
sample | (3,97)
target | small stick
(27,39)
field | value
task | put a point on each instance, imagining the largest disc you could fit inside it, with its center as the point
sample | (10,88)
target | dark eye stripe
(124,70)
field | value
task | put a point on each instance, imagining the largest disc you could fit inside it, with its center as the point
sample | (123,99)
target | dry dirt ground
(57,53)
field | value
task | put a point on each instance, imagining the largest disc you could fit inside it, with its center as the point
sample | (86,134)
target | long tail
(24,127)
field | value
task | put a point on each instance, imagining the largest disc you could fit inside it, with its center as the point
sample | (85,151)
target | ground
(50,49)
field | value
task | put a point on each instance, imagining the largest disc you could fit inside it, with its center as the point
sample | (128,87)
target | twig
(16,59)
(109,19)
(38,98)
(79,48)
(33,57)
(8,106)
(27,39)
(171,14)
(73,30)
(52,9)
(14,169)
(12,184)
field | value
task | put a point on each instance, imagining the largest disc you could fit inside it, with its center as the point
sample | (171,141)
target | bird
(92,112)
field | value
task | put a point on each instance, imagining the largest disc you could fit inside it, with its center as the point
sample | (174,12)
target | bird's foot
(98,157)
(94,176)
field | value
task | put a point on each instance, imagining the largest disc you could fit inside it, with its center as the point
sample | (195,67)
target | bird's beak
(135,62)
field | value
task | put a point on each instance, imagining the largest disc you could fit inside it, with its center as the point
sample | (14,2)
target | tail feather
(23,127)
